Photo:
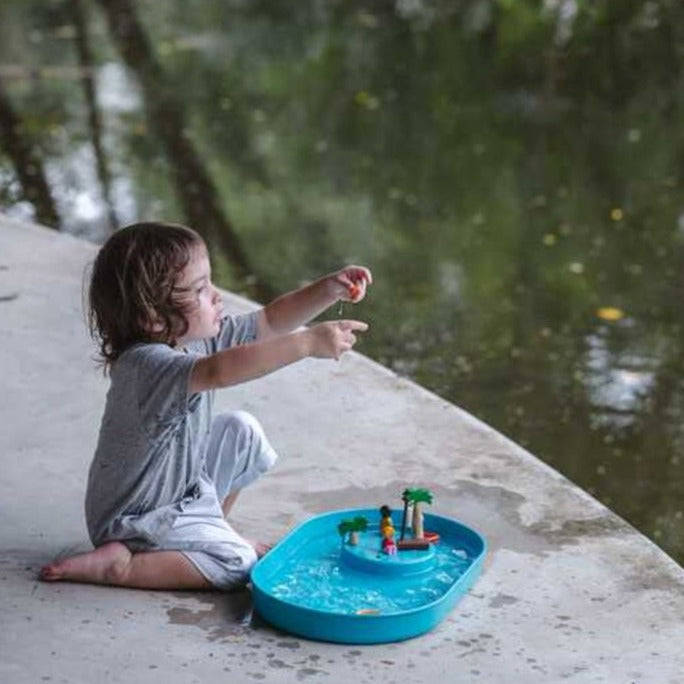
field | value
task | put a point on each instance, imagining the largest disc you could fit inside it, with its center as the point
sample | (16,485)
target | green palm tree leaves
(345,527)
(417,495)
(358,524)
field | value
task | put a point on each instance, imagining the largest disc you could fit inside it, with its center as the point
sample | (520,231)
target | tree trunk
(27,163)
(404,519)
(418,520)
(166,113)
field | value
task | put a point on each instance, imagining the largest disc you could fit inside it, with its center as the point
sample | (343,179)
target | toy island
(412,516)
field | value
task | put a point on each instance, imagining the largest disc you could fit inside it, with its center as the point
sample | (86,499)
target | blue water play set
(367,576)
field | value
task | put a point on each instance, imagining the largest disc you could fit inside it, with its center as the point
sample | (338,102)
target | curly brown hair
(131,295)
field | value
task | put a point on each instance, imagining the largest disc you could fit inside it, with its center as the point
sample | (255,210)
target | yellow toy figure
(386,521)
(389,546)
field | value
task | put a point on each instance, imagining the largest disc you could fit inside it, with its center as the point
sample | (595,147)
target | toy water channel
(343,577)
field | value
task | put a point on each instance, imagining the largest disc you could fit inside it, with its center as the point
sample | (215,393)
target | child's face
(202,301)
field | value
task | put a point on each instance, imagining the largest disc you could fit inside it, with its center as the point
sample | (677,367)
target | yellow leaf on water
(610,313)
(365,99)
(616,214)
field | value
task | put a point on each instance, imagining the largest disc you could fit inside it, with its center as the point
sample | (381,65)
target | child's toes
(50,573)
(261,548)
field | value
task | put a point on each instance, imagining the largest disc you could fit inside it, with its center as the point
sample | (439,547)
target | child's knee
(233,572)
(252,438)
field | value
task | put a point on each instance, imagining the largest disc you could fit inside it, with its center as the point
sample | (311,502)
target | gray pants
(237,454)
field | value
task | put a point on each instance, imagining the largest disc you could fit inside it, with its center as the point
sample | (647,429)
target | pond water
(511,170)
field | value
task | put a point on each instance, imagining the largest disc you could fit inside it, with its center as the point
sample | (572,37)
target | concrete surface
(569,591)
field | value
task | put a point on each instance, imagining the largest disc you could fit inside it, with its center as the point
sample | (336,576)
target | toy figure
(389,546)
(386,521)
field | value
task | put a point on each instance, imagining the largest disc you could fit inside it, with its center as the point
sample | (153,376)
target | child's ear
(152,325)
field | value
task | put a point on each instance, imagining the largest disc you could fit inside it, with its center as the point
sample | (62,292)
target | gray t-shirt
(153,439)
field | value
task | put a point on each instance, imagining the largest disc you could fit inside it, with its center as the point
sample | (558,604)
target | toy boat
(316,584)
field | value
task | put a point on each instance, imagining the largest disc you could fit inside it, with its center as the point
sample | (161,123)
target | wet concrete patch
(571,531)
(494,511)
(501,600)
(225,615)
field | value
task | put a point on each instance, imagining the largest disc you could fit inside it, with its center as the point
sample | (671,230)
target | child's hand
(349,284)
(331,339)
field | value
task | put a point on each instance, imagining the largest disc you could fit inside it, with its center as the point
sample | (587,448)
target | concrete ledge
(569,590)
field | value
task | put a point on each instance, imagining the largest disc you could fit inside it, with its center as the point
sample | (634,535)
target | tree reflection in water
(511,171)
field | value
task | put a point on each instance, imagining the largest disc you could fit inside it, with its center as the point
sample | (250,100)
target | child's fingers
(359,273)
(356,292)
(347,325)
(355,279)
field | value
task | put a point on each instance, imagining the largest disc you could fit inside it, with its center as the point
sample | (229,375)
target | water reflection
(617,383)
(510,170)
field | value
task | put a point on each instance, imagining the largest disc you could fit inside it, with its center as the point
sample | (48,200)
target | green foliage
(357,524)
(360,523)
(417,495)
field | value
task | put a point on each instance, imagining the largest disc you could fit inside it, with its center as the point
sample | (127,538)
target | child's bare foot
(99,566)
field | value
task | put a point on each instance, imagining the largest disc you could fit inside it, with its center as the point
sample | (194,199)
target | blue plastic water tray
(316,585)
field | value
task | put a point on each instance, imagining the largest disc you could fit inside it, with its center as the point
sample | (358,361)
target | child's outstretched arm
(296,308)
(246,362)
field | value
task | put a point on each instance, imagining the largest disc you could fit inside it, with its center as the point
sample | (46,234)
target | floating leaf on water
(365,99)
(576,267)
(65,32)
(610,313)
(367,20)
(550,239)
(616,214)
(165,48)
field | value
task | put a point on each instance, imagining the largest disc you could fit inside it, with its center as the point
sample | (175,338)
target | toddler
(166,473)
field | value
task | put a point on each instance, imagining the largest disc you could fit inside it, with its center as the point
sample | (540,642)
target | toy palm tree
(406,498)
(359,524)
(344,528)
(352,528)
(419,497)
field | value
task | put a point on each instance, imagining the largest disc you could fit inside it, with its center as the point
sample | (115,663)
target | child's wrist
(330,288)
(304,342)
